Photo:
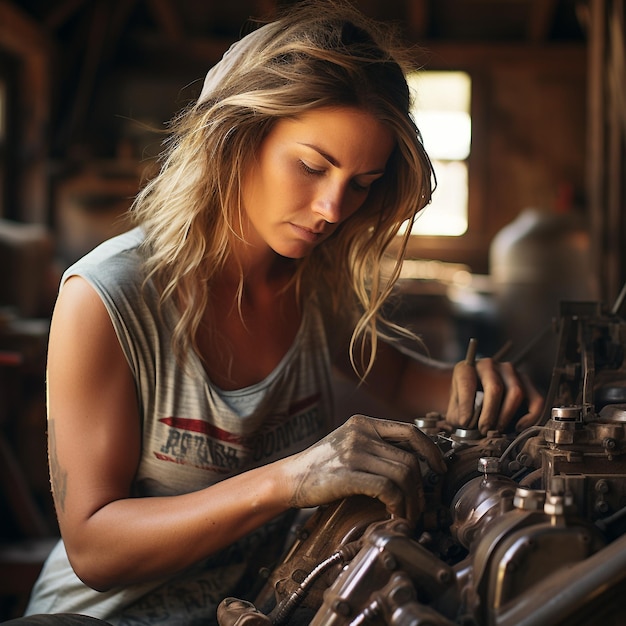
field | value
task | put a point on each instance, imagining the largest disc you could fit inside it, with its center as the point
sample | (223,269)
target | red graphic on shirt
(199,426)
(200,444)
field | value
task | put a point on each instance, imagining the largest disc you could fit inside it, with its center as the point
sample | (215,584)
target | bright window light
(441,111)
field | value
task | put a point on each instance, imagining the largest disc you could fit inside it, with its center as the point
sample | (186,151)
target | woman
(190,360)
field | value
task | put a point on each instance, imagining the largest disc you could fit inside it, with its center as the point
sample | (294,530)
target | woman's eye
(358,187)
(310,170)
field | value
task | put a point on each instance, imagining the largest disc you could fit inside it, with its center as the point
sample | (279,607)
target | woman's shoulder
(118,258)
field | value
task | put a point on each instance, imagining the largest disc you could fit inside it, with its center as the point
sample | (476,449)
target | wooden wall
(529,117)
(529,131)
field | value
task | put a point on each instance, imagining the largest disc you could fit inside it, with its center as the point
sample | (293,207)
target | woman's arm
(115,539)
(94,440)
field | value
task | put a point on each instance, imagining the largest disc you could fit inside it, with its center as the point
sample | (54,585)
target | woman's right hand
(368,456)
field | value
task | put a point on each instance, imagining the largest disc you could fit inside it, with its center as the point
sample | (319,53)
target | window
(442,113)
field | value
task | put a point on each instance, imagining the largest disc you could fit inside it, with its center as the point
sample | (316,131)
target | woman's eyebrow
(333,161)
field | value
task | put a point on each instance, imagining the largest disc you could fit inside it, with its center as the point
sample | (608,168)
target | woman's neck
(257,269)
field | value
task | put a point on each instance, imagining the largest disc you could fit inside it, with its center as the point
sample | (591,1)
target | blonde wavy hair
(319,54)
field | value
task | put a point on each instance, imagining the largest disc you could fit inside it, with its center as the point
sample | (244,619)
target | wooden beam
(265,9)
(18,31)
(418,18)
(435,55)
(204,50)
(596,138)
(91,62)
(61,12)
(541,18)
(617,65)
(25,39)
(119,20)
(616,135)
(168,19)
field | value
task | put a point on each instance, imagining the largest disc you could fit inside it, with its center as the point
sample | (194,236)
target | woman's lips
(312,236)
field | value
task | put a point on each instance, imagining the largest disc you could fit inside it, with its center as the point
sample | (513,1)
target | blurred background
(522,107)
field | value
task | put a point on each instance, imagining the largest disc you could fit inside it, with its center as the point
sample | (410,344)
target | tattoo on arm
(58,475)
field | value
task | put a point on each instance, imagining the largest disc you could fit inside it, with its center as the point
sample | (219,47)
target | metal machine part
(526,529)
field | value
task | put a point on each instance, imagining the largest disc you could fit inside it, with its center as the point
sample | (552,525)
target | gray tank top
(194,435)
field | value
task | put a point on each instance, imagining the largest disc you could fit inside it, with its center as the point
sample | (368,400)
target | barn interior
(87,88)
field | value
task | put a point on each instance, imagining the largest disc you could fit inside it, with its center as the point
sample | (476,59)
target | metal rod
(566,592)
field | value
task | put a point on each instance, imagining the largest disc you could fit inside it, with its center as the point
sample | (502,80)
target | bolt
(298,575)
(602,486)
(425,539)
(389,561)
(489,464)
(432,478)
(443,576)
(342,607)
(403,594)
(602,506)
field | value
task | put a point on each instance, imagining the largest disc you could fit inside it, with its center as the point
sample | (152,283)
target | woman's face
(310,175)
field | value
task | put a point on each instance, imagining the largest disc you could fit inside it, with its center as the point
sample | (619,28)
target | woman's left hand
(504,390)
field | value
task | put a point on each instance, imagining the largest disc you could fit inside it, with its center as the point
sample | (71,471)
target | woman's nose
(328,204)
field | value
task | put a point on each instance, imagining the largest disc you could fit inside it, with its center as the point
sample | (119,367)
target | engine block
(523,529)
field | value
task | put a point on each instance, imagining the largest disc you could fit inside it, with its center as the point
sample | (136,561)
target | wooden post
(595,136)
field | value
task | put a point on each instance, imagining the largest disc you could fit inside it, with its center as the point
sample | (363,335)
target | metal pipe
(565,593)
